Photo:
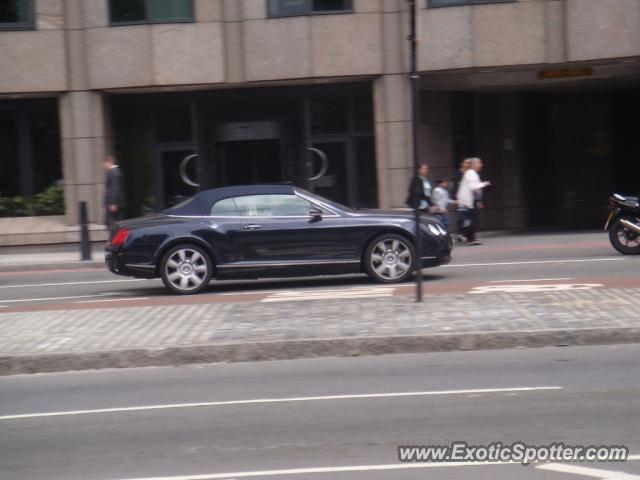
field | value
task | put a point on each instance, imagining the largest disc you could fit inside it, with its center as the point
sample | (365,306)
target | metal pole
(415,103)
(85,246)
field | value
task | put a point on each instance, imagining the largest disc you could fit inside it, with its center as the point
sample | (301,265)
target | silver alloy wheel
(390,259)
(186,269)
(628,238)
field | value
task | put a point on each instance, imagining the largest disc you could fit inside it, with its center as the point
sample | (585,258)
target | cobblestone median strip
(250,331)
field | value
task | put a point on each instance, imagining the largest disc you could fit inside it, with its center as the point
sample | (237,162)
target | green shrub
(47,202)
(50,201)
(16,207)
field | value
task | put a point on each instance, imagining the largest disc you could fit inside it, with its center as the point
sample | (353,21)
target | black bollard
(85,246)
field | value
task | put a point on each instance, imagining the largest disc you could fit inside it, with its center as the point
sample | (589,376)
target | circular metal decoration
(325,163)
(183,170)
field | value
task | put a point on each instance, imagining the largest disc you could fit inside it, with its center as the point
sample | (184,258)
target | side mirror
(315,214)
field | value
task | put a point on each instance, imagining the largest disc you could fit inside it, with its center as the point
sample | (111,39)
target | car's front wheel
(390,258)
(186,269)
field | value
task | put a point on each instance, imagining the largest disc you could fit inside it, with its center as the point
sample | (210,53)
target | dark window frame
(30,24)
(310,11)
(149,20)
(465,3)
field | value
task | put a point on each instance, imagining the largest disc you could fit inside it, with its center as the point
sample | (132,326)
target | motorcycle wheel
(624,240)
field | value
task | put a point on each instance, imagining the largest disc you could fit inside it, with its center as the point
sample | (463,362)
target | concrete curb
(333,347)
(30,267)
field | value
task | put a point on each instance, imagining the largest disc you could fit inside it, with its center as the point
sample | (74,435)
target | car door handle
(252,227)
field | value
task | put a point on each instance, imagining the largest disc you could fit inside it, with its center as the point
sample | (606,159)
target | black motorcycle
(623,224)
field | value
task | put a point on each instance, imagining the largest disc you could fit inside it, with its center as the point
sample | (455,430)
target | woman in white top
(469,196)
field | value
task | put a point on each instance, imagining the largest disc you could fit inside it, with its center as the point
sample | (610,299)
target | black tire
(186,269)
(623,239)
(390,258)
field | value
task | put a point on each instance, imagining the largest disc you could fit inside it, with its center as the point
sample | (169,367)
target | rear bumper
(113,261)
(116,263)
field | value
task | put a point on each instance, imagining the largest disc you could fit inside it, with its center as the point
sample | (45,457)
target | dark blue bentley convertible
(259,231)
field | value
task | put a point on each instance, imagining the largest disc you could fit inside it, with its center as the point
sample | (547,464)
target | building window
(131,12)
(453,3)
(16,15)
(30,159)
(288,8)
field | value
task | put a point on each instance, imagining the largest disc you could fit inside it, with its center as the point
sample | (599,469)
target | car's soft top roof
(201,202)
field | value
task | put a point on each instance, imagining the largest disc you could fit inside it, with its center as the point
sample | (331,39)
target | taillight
(119,238)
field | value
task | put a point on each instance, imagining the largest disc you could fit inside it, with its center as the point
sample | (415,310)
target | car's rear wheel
(186,269)
(390,258)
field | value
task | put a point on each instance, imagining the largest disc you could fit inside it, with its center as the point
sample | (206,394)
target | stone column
(233,16)
(85,128)
(392,107)
(85,142)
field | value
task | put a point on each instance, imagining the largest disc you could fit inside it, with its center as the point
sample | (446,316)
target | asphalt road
(318,419)
(550,259)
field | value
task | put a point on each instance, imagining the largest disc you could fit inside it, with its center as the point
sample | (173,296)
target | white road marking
(533,288)
(588,472)
(74,283)
(302,471)
(278,400)
(55,298)
(113,300)
(329,294)
(319,289)
(523,288)
(359,468)
(532,280)
(534,262)
(251,292)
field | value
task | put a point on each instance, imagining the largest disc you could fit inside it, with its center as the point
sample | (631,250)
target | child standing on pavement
(441,201)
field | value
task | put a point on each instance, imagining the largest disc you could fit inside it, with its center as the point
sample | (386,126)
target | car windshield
(329,203)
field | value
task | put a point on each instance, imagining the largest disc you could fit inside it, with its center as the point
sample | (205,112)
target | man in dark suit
(114,200)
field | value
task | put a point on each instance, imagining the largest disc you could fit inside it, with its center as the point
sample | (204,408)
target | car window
(225,208)
(273,206)
(328,202)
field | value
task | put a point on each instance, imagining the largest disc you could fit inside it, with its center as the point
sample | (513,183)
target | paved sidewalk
(174,335)
(17,262)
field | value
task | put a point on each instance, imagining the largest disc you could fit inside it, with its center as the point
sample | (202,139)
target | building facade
(190,94)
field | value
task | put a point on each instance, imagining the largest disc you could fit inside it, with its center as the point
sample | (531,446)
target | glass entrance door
(248,162)
(177,176)
(332,174)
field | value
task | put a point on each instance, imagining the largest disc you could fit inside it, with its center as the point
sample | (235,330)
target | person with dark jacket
(114,199)
(419,195)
